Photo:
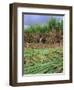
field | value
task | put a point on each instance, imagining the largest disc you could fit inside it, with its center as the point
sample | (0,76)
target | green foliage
(55,24)
(37,29)
(43,61)
(52,24)
(45,29)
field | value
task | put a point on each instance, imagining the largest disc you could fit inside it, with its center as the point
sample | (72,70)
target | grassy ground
(40,61)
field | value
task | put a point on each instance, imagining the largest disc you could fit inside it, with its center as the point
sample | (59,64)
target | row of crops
(40,61)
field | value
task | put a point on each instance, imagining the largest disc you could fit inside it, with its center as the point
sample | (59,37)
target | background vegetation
(52,24)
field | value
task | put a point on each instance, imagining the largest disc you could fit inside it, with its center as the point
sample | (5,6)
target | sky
(30,19)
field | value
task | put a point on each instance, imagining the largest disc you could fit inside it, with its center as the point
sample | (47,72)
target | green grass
(40,61)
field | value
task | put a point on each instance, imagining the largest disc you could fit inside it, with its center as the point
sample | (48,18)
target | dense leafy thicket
(52,24)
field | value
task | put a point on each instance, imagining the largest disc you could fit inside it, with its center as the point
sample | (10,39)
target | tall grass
(52,24)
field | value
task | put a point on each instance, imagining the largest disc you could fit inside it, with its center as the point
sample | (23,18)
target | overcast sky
(38,19)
